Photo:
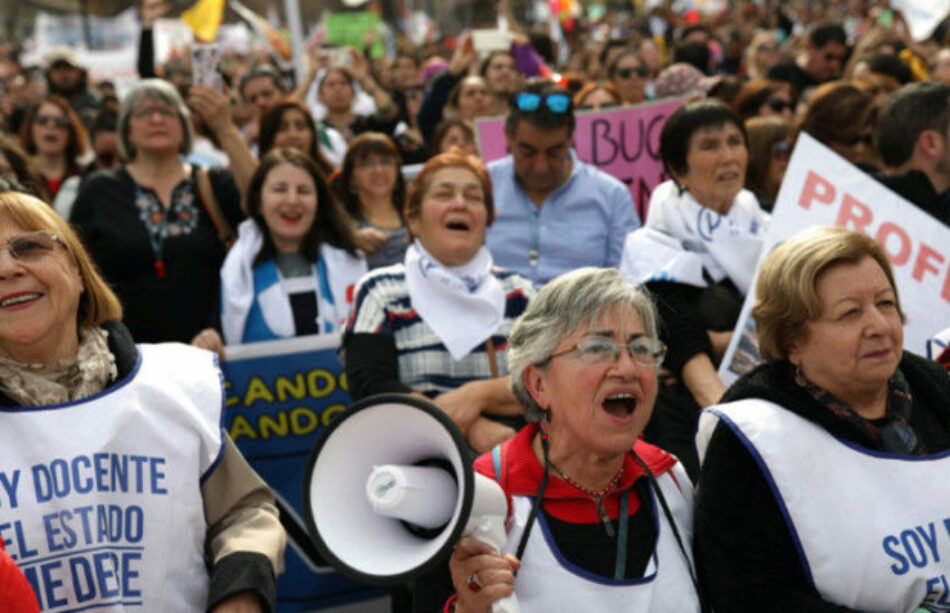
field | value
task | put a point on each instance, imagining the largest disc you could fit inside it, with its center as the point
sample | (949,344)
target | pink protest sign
(624,142)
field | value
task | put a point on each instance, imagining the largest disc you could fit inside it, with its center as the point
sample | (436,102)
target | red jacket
(16,596)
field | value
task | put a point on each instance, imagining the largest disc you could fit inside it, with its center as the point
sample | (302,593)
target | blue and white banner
(280,396)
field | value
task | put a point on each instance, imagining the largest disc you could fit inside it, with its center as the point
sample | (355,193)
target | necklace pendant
(533,258)
(608,527)
(160,269)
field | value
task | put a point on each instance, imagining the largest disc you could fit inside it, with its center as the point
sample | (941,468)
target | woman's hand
(212,105)
(243,602)
(209,339)
(463,57)
(480,575)
(369,240)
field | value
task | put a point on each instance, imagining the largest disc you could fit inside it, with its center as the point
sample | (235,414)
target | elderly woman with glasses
(823,475)
(156,226)
(123,489)
(599,520)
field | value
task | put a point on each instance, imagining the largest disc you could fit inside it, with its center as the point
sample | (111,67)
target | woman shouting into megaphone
(600,520)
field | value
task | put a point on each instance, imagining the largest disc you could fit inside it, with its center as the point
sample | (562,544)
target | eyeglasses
(146,113)
(51,121)
(779,106)
(626,73)
(528,102)
(597,350)
(781,150)
(31,246)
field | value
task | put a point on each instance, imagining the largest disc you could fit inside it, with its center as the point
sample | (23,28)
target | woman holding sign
(823,477)
(118,484)
(696,253)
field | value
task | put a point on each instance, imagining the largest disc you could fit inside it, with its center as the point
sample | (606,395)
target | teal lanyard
(623,525)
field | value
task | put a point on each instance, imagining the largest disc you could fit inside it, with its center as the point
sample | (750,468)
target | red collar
(524,471)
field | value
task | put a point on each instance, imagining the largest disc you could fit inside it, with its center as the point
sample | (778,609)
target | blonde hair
(785,294)
(97,304)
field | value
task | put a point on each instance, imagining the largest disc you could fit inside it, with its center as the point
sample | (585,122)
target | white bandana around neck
(682,238)
(238,292)
(463,305)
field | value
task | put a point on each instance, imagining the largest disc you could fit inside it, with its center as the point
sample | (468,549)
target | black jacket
(745,554)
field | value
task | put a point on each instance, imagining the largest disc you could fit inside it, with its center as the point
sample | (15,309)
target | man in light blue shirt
(553,213)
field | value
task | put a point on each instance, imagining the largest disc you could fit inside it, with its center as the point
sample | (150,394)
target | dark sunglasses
(626,73)
(528,102)
(778,105)
(781,150)
(32,246)
(50,120)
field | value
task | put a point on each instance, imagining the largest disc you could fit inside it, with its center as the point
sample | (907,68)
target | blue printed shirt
(582,223)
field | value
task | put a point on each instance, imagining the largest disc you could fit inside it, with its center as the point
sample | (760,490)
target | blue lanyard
(533,221)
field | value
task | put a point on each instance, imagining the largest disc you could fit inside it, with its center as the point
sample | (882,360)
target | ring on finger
(473,583)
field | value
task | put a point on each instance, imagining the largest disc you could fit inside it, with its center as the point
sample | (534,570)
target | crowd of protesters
(352,201)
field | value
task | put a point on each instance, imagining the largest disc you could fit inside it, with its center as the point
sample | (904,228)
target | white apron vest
(872,529)
(549,583)
(100,500)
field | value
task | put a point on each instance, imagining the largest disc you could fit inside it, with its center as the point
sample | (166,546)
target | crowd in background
(353,201)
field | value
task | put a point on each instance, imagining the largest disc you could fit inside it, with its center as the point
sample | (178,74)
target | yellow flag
(204,18)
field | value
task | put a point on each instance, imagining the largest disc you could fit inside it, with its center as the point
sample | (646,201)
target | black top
(744,551)
(179,305)
(917,188)
(687,312)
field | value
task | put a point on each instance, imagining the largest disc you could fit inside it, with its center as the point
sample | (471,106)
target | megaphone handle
(508,604)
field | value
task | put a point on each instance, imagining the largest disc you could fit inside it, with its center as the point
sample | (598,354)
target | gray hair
(154,89)
(581,297)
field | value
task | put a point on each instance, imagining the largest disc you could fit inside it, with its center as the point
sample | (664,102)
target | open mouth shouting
(620,406)
(458,225)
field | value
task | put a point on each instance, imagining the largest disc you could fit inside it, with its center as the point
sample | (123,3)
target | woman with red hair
(437,324)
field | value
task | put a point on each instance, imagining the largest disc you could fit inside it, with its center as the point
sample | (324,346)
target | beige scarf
(84,374)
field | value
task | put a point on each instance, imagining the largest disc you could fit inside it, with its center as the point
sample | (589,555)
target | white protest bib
(872,529)
(100,501)
(549,583)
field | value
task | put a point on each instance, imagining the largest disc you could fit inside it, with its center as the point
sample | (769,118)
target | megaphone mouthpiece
(424,496)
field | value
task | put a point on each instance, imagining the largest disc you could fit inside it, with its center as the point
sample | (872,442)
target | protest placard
(623,142)
(280,396)
(822,189)
(348,29)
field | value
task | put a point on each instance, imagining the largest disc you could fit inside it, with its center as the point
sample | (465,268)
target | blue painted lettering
(50,585)
(107,565)
(128,574)
(914,548)
(157,476)
(929,537)
(10,486)
(889,544)
(83,486)
(84,586)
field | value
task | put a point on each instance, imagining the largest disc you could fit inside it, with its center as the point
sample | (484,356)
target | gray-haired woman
(154,226)
(601,520)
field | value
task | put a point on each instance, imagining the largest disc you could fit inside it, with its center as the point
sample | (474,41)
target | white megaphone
(389,489)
